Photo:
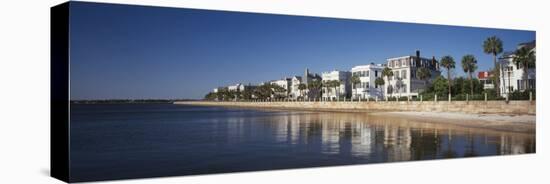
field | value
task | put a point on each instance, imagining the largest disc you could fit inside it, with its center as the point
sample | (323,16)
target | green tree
(524,57)
(448,63)
(469,65)
(278,91)
(336,84)
(440,86)
(354,81)
(423,74)
(388,73)
(246,94)
(457,86)
(315,86)
(493,46)
(332,84)
(263,91)
(380,82)
(326,87)
(399,85)
(211,96)
(302,87)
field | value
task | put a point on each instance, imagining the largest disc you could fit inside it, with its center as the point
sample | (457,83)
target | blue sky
(123,52)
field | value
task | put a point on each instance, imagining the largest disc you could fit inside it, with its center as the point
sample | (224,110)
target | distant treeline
(127,101)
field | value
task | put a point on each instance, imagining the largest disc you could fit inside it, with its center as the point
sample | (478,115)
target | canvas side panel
(59,92)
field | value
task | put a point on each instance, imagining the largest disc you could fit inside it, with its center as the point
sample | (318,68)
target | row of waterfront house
(361,81)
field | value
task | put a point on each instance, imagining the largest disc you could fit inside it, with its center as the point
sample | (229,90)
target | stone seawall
(478,107)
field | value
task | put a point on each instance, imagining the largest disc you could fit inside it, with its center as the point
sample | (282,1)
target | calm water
(132,141)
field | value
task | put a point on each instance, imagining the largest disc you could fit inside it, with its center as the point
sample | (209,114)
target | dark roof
(530,45)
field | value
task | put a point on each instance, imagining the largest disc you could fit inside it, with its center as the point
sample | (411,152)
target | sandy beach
(495,118)
(516,123)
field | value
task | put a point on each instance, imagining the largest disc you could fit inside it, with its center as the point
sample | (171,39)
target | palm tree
(379,82)
(326,86)
(493,46)
(302,87)
(335,84)
(423,74)
(315,86)
(523,57)
(469,65)
(279,92)
(399,85)
(354,81)
(449,63)
(388,73)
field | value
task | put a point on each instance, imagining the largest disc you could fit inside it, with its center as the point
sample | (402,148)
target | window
(367,85)
(397,75)
(367,73)
(375,73)
(404,74)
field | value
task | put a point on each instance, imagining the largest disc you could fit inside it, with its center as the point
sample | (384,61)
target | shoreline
(470,107)
(500,122)
(521,123)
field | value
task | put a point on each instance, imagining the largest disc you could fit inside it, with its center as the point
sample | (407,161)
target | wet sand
(501,122)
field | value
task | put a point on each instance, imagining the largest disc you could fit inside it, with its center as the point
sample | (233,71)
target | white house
(404,81)
(285,83)
(511,75)
(295,92)
(485,78)
(341,91)
(367,88)
(236,87)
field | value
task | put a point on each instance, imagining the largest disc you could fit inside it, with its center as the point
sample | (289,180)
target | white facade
(295,92)
(485,78)
(367,88)
(343,90)
(404,81)
(284,83)
(236,87)
(512,75)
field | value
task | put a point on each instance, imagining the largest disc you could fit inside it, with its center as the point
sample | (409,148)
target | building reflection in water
(377,138)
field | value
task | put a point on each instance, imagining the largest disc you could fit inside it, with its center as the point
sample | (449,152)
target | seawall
(477,107)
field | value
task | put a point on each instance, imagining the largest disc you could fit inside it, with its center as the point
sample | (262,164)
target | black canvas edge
(59,92)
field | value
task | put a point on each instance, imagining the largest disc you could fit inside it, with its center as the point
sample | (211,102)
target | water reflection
(182,140)
(379,138)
